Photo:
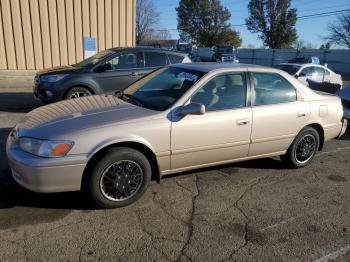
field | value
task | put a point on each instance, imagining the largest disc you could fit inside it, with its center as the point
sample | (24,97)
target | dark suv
(108,71)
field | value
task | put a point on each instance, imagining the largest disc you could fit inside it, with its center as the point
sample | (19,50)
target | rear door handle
(242,122)
(134,74)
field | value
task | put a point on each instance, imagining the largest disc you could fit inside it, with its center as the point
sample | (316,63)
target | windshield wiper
(134,100)
(128,98)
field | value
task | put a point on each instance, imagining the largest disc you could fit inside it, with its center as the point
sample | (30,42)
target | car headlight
(52,78)
(45,148)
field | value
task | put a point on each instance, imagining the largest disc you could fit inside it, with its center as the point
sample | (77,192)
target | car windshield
(93,60)
(290,69)
(162,88)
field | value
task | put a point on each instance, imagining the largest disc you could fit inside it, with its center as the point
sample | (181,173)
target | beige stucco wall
(36,34)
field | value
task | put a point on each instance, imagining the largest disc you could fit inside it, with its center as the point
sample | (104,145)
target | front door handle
(242,122)
(301,114)
(134,74)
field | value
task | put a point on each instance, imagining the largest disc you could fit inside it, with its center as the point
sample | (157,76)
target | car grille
(345,103)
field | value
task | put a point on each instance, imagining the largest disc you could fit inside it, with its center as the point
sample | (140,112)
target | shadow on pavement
(18,102)
(259,164)
(13,195)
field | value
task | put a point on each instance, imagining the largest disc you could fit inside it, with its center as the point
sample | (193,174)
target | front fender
(115,140)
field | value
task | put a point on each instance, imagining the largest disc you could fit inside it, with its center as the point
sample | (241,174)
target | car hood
(75,115)
(60,70)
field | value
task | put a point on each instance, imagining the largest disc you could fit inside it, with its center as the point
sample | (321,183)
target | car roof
(142,48)
(292,64)
(211,66)
(303,64)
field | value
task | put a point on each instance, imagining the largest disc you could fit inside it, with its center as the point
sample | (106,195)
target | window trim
(248,91)
(253,93)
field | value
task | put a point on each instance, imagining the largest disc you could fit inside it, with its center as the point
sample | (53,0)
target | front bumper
(45,175)
(46,92)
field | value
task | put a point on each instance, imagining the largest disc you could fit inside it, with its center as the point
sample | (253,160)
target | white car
(312,73)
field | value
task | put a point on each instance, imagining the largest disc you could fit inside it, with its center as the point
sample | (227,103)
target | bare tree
(339,31)
(147,19)
(161,34)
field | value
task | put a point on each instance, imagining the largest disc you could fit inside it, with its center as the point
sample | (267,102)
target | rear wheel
(120,178)
(303,149)
(77,92)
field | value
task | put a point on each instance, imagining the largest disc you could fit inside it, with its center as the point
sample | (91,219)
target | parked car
(317,77)
(204,54)
(108,71)
(224,54)
(344,94)
(305,60)
(177,118)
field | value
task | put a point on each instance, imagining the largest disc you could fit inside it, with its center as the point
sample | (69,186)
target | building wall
(37,34)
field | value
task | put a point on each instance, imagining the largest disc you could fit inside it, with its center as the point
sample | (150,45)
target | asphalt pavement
(251,211)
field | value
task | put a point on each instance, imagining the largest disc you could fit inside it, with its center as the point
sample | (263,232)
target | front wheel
(120,178)
(303,149)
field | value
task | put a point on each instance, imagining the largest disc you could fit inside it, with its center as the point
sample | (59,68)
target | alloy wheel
(79,94)
(121,180)
(305,149)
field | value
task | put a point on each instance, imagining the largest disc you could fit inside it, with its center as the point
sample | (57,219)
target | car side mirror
(301,75)
(103,68)
(192,109)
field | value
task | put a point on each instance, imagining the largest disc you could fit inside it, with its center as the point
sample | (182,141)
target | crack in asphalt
(246,224)
(58,227)
(178,183)
(25,245)
(163,207)
(152,237)
(190,223)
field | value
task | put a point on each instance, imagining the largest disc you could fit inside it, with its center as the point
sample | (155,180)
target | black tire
(76,92)
(294,156)
(114,157)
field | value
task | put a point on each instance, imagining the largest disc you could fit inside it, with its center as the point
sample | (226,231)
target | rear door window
(128,60)
(174,59)
(308,71)
(272,88)
(319,71)
(155,59)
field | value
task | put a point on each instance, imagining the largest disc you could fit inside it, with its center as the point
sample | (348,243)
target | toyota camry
(177,118)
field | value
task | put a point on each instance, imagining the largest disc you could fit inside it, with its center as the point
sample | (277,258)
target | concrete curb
(17,73)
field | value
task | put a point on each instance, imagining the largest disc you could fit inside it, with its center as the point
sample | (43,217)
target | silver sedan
(177,118)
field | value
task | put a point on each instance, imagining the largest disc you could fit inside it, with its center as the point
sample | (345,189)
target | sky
(310,30)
